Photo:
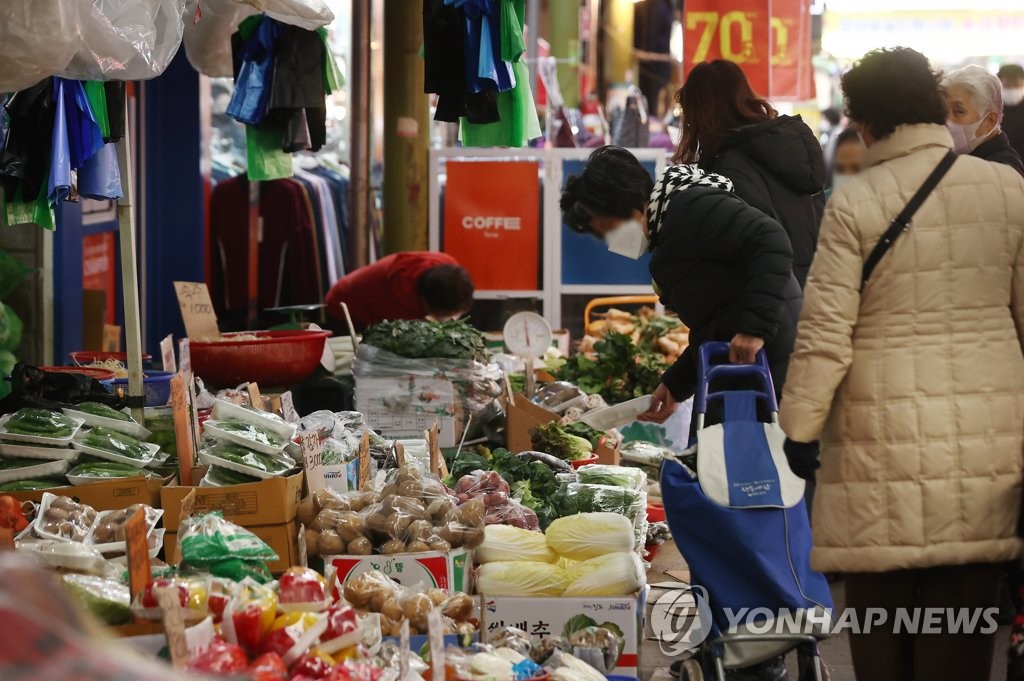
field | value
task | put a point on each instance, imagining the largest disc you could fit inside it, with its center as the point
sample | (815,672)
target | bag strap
(902,222)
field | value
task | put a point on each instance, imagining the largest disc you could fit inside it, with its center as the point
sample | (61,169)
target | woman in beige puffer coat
(915,386)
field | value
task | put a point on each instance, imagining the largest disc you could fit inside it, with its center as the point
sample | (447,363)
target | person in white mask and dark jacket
(975,100)
(724,267)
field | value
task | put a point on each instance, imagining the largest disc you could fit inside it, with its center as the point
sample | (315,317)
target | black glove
(802,457)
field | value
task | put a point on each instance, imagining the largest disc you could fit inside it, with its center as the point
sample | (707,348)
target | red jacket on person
(385,290)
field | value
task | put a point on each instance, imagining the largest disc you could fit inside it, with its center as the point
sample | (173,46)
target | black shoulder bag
(902,221)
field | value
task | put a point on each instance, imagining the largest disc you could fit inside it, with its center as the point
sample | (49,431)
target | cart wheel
(691,671)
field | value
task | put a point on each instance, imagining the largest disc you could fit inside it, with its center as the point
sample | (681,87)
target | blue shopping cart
(739,520)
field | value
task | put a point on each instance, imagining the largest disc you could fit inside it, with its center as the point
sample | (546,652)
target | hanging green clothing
(334,80)
(96,93)
(517,113)
(265,159)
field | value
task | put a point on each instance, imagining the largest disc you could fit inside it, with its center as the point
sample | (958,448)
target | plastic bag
(208,539)
(377,593)
(521,578)
(616,476)
(589,535)
(40,37)
(208,41)
(614,574)
(507,543)
(126,39)
(598,647)
(585,498)
(108,600)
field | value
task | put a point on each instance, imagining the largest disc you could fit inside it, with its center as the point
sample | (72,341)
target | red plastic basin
(274,359)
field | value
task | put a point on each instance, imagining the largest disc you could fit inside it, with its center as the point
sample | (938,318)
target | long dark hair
(715,99)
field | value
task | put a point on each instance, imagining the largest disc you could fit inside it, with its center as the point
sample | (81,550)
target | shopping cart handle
(707,372)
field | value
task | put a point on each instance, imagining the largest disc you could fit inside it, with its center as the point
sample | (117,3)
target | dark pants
(883,655)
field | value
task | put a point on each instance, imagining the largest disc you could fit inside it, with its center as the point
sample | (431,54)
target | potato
(349,525)
(459,607)
(392,546)
(417,547)
(360,546)
(390,627)
(419,530)
(306,511)
(396,524)
(471,513)
(392,609)
(465,628)
(473,537)
(440,507)
(369,588)
(453,533)
(312,542)
(331,543)
(440,545)
(416,607)
(405,506)
(437,596)
(375,519)
(360,500)
(56,514)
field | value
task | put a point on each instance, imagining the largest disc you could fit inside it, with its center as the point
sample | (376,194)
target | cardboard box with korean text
(524,416)
(267,502)
(544,617)
(448,570)
(107,495)
(404,406)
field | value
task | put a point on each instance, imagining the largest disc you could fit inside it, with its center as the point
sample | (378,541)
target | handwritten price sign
(312,460)
(197,310)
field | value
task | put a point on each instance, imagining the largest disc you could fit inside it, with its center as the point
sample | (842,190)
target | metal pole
(130,275)
(533,26)
(359,137)
(253,270)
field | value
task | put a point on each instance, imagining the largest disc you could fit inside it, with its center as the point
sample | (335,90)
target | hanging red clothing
(385,290)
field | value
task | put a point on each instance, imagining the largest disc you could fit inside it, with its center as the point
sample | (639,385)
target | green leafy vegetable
(249,459)
(587,498)
(620,373)
(420,339)
(616,476)
(97,409)
(591,435)
(532,482)
(40,423)
(116,443)
(249,432)
(553,439)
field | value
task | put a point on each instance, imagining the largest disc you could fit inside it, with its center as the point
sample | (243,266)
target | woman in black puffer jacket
(724,267)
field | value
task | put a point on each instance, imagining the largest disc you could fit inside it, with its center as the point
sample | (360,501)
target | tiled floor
(835,651)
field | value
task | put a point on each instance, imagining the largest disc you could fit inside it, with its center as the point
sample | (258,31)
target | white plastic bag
(38,38)
(208,41)
(307,14)
(126,39)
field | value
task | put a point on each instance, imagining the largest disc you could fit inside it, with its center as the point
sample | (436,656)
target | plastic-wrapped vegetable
(506,543)
(241,459)
(106,599)
(209,538)
(614,574)
(116,443)
(588,535)
(521,578)
(616,476)
(585,498)
(40,423)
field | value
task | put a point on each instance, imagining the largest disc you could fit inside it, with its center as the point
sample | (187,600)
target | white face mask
(964,139)
(628,240)
(1013,96)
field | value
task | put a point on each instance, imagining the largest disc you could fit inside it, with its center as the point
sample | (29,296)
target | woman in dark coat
(724,267)
(775,162)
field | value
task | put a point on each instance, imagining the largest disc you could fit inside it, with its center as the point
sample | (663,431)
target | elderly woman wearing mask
(975,100)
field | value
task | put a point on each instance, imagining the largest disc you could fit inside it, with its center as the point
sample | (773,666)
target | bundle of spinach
(532,482)
(421,339)
(621,371)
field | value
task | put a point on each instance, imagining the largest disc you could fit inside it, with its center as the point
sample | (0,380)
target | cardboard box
(108,495)
(284,539)
(544,617)
(443,570)
(267,502)
(405,406)
(524,416)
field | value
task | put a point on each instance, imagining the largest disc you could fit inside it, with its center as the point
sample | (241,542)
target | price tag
(399,454)
(288,408)
(111,338)
(403,652)
(312,461)
(255,396)
(363,476)
(185,354)
(197,310)
(435,633)
(174,625)
(139,571)
(167,353)
(437,463)
(182,430)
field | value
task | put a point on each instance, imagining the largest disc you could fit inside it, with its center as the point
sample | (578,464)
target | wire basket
(274,358)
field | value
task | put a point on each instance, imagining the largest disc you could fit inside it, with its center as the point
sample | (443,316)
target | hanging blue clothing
(485,69)
(100,176)
(254,55)
(60,164)
(339,192)
(85,137)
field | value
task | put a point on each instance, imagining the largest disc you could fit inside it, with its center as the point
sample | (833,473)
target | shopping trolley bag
(744,532)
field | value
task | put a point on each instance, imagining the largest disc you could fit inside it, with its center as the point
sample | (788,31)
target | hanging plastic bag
(125,39)
(40,37)
(100,176)
(208,41)
(307,14)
